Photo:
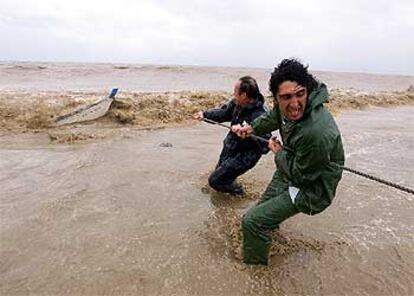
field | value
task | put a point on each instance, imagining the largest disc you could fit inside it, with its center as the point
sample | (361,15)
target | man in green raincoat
(308,162)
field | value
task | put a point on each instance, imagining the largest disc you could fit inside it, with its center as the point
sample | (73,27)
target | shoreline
(22,112)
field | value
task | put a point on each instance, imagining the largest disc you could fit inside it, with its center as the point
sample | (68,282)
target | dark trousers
(228,169)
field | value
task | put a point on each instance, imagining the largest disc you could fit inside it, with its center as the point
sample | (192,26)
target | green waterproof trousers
(274,207)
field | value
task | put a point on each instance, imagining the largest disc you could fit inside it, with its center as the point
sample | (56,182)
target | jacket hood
(257,103)
(260,98)
(316,98)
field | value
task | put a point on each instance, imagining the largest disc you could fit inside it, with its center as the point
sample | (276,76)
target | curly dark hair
(249,86)
(293,70)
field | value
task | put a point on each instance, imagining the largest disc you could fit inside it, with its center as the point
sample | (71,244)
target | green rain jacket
(312,151)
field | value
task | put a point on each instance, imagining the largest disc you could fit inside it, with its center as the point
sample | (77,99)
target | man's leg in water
(223,180)
(257,224)
(224,176)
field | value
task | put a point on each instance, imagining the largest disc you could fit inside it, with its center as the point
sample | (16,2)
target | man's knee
(245,223)
(249,223)
(223,176)
(213,181)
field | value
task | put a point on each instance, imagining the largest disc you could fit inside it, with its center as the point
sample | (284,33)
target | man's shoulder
(320,125)
(319,117)
(258,110)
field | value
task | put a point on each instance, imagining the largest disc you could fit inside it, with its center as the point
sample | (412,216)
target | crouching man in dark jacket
(238,155)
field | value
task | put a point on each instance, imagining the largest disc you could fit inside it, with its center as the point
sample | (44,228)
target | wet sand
(131,214)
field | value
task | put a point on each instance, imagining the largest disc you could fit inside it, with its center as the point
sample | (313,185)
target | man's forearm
(266,123)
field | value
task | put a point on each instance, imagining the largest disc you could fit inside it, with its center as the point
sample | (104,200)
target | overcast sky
(350,35)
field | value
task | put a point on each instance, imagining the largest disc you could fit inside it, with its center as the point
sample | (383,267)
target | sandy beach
(121,205)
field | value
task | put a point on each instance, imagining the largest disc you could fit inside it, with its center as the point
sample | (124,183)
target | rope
(385,182)
(359,173)
(229,127)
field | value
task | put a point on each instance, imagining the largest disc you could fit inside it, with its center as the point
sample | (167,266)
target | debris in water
(166,144)
(90,112)
(72,137)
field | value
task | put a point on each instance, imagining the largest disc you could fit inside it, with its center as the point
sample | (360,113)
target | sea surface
(31,76)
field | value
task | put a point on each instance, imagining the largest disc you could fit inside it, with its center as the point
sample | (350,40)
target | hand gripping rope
(359,173)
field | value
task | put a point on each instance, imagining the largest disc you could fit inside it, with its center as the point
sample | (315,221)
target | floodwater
(130,215)
(32,76)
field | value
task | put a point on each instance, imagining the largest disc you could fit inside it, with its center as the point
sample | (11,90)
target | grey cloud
(331,35)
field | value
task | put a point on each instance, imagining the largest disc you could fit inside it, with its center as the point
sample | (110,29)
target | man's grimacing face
(292,99)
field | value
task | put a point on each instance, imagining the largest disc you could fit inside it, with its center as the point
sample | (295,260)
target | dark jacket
(232,144)
(313,154)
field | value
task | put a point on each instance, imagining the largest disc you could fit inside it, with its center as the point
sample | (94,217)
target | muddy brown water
(131,215)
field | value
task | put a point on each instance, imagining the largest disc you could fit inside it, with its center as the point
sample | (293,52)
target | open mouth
(295,113)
